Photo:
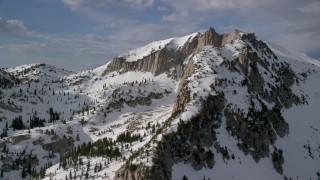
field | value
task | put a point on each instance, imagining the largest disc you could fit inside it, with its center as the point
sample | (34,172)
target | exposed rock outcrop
(19,138)
(130,173)
(156,63)
(139,100)
(60,146)
(211,37)
(183,95)
(160,61)
(10,107)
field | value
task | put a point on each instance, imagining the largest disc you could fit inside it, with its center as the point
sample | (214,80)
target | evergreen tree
(23,173)
(29,168)
(87,174)
(17,123)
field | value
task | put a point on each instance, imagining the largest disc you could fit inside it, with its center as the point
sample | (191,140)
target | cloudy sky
(79,34)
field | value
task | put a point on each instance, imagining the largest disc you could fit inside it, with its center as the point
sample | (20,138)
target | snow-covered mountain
(202,106)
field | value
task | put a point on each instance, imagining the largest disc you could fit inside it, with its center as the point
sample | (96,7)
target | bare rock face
(160,61)
(143,101)
(19,138)
(60,146)
(139,100)
(188,48)
(10,107)
(211,37)
(130,173)
(230,36)
(156,63)
(116,104)
(183,95)
(243,61)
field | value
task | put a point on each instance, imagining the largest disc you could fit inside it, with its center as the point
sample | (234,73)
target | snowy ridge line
(172,44)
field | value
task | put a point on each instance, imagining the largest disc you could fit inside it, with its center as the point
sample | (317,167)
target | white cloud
(177,16)
(162,8)
(139,3)
(11,25)
(142,34)
(74,3)
(205,5)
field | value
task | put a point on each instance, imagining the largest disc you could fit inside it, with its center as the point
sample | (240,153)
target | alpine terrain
(202,106)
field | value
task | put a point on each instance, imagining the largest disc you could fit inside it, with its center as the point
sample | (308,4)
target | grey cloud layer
(129,3)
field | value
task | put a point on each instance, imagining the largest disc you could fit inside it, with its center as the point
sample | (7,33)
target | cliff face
(156,63)
(211,37)
(183,95)
(130,174)
(162,60)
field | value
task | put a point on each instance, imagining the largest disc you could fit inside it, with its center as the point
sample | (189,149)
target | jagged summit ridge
(159,56)
(211,37)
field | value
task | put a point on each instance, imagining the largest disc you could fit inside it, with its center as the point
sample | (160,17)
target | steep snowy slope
(203,106)
(300,146)
(248,91)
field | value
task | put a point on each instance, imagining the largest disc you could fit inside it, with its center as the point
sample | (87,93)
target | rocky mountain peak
(243,87)
(161,58)
(211,37)
(181,108)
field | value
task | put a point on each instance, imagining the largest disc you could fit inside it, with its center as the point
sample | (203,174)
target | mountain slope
(204,105)
(6,79)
